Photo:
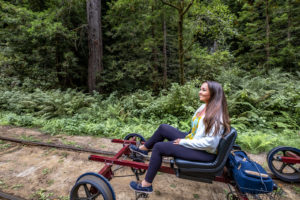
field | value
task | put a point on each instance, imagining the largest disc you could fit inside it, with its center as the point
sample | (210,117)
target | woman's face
(204,93)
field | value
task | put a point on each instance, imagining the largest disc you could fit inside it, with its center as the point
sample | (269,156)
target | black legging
(160,148)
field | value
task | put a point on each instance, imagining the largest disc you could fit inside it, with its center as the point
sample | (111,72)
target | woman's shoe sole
(138,152)
(140,191)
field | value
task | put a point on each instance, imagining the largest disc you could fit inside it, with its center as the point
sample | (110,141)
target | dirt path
(46,173)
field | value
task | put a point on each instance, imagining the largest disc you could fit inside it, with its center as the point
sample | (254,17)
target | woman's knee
(163,127)
(158,146)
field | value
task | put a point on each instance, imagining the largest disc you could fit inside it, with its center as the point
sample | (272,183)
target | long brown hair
(216,109)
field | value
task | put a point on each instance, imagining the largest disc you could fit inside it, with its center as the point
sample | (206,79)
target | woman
(209,123)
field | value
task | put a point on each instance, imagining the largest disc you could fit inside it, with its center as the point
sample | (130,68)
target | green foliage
(38,45)
(28,138)
(208,65)
(42,194)
(296,189)
(269,102)
(134,57)
(17,186)
(264,109)
(257,141)
(268,33)
(212,23)
(178,101)
(3,146)
(76,113)
(43,46)
(47,104)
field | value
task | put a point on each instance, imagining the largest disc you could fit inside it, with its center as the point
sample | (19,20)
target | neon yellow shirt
(195,124)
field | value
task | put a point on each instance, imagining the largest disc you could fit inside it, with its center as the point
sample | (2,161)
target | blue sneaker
(138,187)
(135,149)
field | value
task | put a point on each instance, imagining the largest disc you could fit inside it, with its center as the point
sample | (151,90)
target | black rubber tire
(136,157)
(274,155)
(95,184)
(139,138)
(92,189)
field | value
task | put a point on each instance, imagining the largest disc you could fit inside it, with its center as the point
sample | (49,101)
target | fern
(264,109)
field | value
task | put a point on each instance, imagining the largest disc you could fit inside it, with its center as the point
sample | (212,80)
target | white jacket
(201,141)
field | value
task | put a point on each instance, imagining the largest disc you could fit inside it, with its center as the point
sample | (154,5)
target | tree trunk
(94,42)
(215,46)
(154,56)
(180,46)
(289,22)
(267,33)
(181,12)
(165,53)
(58,64)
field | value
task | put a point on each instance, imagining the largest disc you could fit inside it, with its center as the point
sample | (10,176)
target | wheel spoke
(292,166)
(282,167)
(86,189)
(94,196)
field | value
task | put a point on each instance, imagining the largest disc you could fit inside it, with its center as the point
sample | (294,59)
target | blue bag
(249,176)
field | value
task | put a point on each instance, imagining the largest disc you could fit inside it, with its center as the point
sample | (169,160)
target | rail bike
(92,186)
(284,162)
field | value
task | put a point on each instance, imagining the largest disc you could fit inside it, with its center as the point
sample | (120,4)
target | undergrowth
(264,109)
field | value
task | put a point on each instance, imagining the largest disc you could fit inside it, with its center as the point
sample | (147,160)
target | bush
(264,109)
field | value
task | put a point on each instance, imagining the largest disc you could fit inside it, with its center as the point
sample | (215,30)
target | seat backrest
(224,147)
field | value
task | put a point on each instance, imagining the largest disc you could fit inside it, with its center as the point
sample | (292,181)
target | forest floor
(33,172)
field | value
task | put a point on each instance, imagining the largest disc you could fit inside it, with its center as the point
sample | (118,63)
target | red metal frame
(290,158)
(124,141)
(109,161)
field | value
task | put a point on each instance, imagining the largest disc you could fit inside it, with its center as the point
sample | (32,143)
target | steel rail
(4,195)
(68,147)
(59,146)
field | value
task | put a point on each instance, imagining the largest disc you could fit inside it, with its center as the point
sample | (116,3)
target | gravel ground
(33,172)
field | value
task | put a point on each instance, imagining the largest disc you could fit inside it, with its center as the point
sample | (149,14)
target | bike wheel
(92,186)
(289,172)
(138,138)
(134,156)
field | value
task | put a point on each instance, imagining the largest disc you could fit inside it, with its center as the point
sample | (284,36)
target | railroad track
(58,146)
(66,147)
(7,196)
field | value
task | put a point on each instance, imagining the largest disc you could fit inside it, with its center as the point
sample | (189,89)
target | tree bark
(289,22)
(94,42)
(267,33)
(180,45)
(154,55)
(165,77)
(58,65)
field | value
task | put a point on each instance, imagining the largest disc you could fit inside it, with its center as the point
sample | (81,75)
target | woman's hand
(177,141)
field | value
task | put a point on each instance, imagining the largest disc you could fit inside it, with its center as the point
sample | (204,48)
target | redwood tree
(94,42)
